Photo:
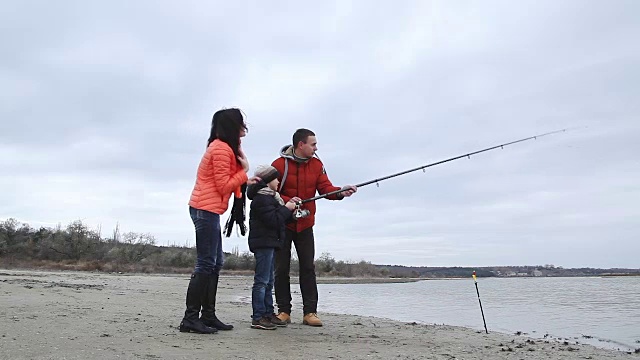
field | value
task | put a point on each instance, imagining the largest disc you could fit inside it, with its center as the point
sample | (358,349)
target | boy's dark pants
(305,248)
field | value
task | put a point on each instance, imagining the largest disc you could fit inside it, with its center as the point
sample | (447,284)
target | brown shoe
(263,324)
(283,316)
(311,319)
(275,320)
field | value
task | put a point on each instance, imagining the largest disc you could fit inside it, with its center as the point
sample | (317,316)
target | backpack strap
(284,176)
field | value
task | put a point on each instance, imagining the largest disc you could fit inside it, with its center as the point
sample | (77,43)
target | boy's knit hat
(267,173)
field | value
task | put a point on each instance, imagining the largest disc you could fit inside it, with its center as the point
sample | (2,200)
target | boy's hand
(291,204)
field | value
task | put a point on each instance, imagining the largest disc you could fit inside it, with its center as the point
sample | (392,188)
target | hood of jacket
(287,153)
(252,190)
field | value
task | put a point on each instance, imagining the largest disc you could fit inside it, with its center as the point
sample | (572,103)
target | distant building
(537,273)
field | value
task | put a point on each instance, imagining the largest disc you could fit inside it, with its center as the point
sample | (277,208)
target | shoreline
(109,268)
(78,315)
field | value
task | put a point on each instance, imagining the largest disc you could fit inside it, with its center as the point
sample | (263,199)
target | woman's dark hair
(226,126)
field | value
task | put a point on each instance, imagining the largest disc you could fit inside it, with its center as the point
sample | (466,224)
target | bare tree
(76,242)
(136,246)
(116,233)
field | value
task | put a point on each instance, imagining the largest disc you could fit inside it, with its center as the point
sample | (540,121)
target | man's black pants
(305,248)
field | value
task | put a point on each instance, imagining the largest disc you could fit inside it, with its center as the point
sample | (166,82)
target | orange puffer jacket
(219,175)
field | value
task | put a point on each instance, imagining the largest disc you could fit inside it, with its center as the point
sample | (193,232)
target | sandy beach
(77,315)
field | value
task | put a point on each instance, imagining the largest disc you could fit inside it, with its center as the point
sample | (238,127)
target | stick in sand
(478,292)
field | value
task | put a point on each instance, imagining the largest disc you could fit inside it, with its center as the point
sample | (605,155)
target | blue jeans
(261,294)
(208,241)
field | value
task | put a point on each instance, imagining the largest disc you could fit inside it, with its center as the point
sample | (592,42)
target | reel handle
(299,213)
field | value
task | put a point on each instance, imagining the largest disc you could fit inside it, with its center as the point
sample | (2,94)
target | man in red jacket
(302,175)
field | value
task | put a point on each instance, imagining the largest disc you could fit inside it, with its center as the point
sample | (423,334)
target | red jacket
(219,175)
(302,179)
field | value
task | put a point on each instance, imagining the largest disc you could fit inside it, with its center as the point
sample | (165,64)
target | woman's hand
(242,158)
(253,180)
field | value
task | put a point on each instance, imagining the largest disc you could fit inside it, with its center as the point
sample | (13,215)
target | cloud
(106,110)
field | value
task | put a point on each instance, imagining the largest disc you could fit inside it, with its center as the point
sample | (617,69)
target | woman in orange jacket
(222,171)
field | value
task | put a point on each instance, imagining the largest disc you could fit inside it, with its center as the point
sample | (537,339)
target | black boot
(191,322)
(209,317)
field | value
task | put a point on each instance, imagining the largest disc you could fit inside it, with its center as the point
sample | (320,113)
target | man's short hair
(301,135)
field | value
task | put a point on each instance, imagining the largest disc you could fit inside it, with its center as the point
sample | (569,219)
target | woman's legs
(214,263)
(207,243)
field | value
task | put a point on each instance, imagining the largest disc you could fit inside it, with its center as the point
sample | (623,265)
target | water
(604,312)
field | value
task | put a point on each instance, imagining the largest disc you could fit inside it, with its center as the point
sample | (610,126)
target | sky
(105,109)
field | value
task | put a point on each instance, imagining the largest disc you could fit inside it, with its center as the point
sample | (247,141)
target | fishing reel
(299,213)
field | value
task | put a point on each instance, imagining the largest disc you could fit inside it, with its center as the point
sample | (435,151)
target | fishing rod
(299,213)
(481,311)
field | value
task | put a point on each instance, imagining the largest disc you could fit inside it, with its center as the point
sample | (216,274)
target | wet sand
(82,315)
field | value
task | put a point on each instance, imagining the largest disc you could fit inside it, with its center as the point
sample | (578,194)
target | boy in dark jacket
(267,219)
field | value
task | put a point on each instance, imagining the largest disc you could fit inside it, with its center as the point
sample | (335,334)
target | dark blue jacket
(267,219)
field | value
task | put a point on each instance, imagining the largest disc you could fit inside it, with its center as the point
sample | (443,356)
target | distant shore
(80,315)
(359,280)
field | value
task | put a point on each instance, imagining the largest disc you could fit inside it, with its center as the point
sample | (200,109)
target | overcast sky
(105,109)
